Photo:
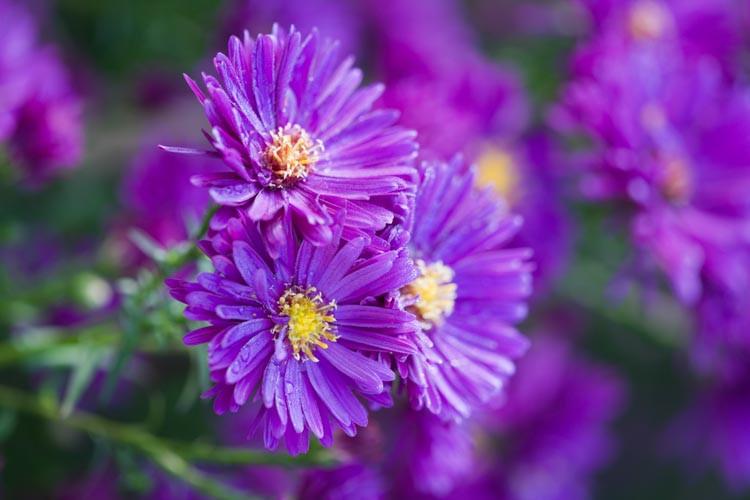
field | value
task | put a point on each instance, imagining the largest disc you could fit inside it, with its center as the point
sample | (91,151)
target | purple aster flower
(673,147)
(159,198)
(417,453)
(49,133)
(301,142)
(555,423)
(430,457)
(353,480)
(342,21)
(406,36)
(470,291)
(40,114)
(19,37)
(527,177)
(299,336)
(457,111)
(702,28)
(443,85)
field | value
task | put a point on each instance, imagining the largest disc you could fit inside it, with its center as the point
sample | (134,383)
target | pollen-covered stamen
(496,168)
(648,20)
(291,155)
(310,320)
(677,181)
(432,296)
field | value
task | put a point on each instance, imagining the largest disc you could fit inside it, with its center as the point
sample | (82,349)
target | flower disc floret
(310,322)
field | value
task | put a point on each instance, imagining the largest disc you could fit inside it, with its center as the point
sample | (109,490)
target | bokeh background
(610,402)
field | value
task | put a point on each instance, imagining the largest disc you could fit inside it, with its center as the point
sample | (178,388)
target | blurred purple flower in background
(40,113)
(159,198)
(528,176)
(297,329)
(702,28)
(445,88)
(430,457)
(353,480)
(674,147)
(471,289)
(340,21)
(301,141)
(554,425)
(455,112)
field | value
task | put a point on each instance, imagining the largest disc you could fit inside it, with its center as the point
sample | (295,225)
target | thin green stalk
(174,457)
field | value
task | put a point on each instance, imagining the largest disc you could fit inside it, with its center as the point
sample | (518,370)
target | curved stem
(172,456)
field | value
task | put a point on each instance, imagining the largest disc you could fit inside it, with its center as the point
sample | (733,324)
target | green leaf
(147,245)
(80,379)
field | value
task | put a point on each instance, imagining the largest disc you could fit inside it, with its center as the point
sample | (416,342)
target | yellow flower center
(310,320)
(497,168)
(433,292)
(291,155)
(648,20)
(677,181)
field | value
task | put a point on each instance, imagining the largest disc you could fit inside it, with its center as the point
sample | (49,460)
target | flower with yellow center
(310,320)
(291,155)
(496,168)
(648,20)
(433,293)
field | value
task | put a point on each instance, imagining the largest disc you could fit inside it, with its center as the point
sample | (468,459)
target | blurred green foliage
(125,37)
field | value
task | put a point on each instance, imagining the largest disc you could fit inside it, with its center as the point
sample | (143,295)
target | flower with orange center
(648,20)
(677,181)
(291,155)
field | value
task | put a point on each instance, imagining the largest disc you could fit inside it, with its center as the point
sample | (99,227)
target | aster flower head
(48,135)
(431,457)
(526,176)
(157,191)
(702,28)
(555,422)
(456,111)
(342,21)
(673,146)
(40,113)
(298,337)
(301,141)
(353,480)
(19,34)
(470,292)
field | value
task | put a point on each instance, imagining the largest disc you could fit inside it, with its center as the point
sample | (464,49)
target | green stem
(172,456)
(51,340)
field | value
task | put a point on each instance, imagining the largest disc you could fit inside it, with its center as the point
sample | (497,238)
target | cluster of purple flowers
(40,113)
(370,251)
(657,93)
(339,259)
